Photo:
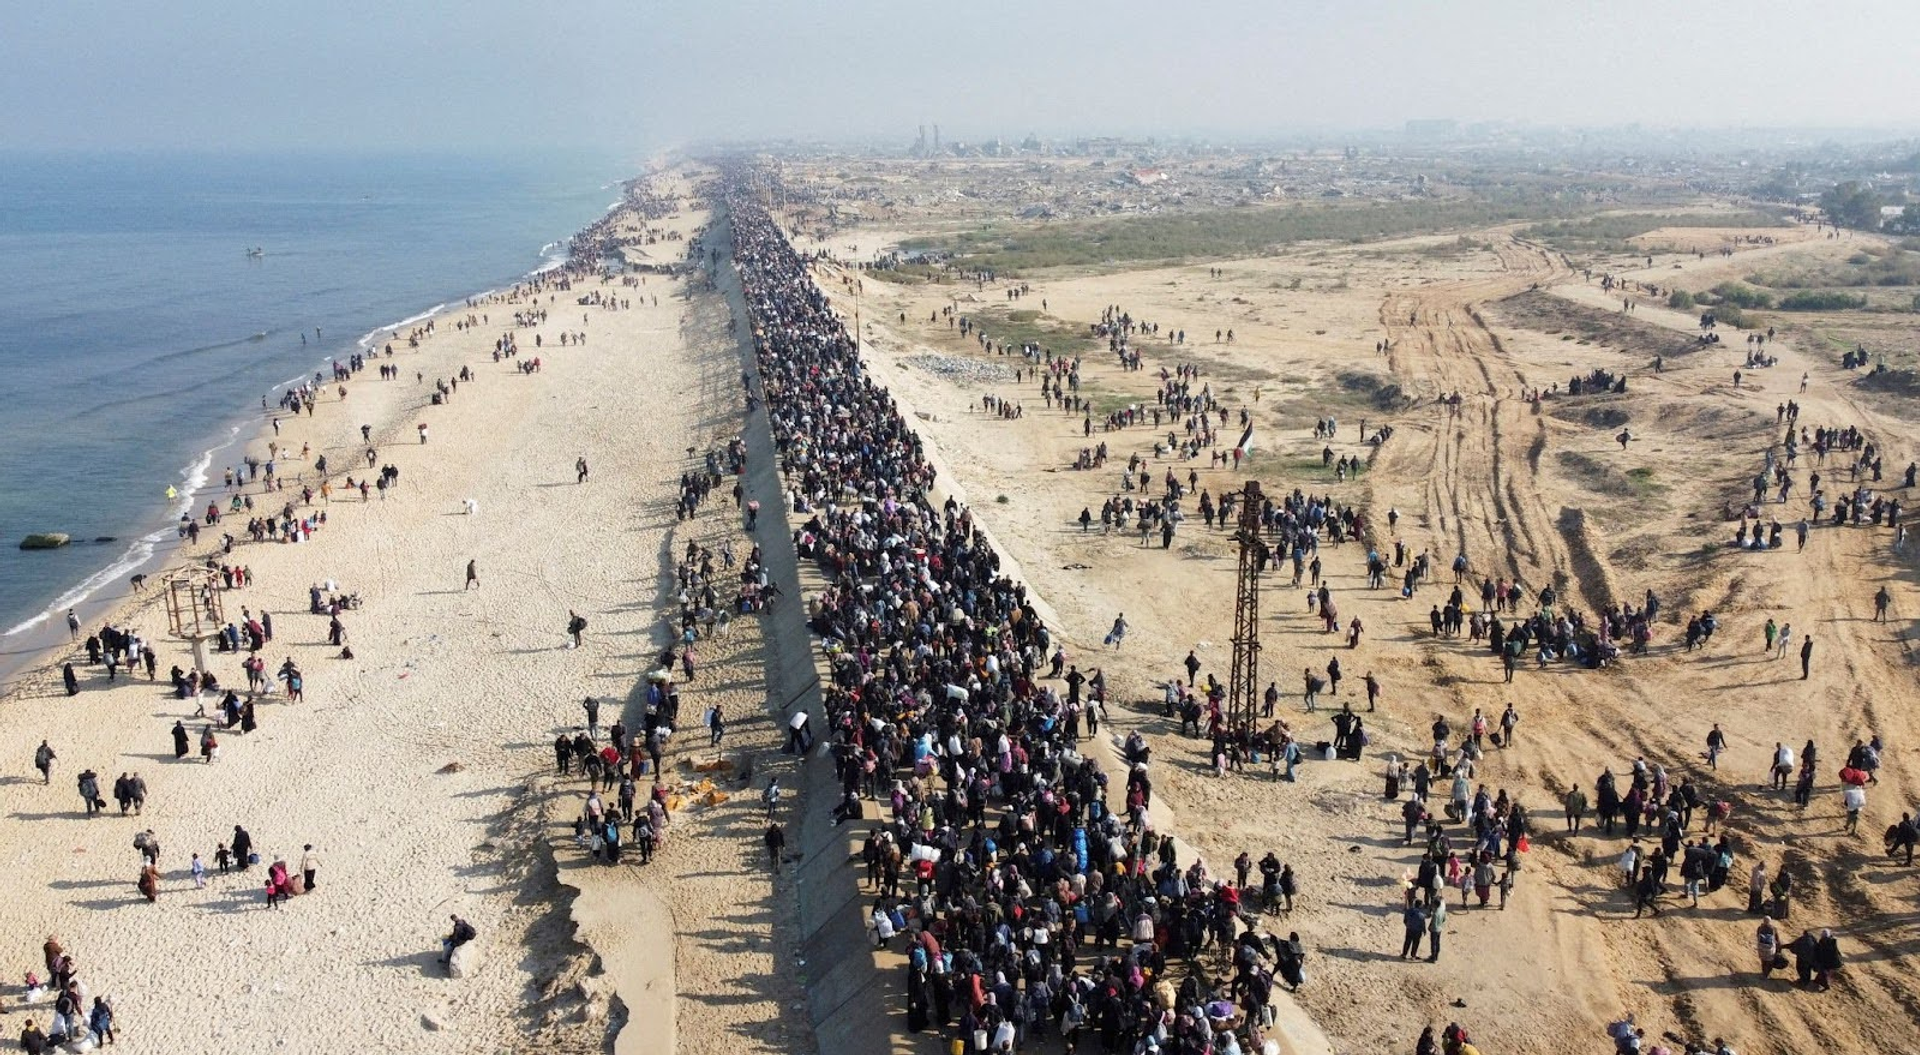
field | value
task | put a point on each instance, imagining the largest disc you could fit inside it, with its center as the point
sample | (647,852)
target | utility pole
(1243,690)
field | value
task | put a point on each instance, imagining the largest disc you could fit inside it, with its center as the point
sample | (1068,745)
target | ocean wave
(221,354)
(141,550)
(184,353)
(372,337)
(144,396)
(136,554)
(23,627)
(176,355)
(194,477)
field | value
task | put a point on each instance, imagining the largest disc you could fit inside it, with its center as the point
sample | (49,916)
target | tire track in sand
(1478,456)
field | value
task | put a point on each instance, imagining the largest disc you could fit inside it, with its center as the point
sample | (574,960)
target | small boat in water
(256,253)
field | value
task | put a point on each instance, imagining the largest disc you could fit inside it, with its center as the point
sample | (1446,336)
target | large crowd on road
(1025,906)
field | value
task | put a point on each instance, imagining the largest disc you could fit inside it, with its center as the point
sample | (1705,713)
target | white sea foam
(141,550)
(27,625)
(553,255)
(136,554)
(371,337)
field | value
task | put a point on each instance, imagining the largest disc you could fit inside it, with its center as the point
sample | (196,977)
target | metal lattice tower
(1243,699)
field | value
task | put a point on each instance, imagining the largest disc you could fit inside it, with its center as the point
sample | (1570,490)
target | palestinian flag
(1245,447)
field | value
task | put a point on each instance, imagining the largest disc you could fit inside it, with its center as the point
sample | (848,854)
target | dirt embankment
(1539,310)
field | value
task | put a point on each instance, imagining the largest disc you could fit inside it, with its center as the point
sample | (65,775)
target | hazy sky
(637,75)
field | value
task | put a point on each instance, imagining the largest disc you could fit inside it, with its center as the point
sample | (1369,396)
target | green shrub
(1215,233)
(1742,296)
(1811,300)
(1613,231)
(1731,315)
(1681,299)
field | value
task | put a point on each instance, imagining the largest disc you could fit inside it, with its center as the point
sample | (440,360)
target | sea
(138,332)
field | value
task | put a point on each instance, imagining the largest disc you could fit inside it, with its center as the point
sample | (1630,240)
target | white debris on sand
(955,368)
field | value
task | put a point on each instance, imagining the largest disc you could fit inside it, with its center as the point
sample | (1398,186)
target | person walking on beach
(89,783)
(576,625)
(1415,920)
(1576,806)
(71,679)
(1119,631)
(1806,657)
(776,840)
(73,626)
(242,848)
(1435,924)
(309,866)
(100,1020)
(592,707)
(580,470)
(473,575)
(43,757)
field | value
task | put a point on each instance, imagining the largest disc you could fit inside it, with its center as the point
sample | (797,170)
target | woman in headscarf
(1826,960)
(1767,944)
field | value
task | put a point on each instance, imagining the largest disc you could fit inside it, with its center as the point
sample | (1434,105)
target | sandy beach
(418,769)
(422,772)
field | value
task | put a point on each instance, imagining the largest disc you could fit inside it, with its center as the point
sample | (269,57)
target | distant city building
(1433,128)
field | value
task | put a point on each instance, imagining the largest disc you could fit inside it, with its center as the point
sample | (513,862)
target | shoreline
(415,720)
(33,641)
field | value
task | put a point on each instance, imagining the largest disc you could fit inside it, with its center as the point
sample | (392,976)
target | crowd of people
(1025,905)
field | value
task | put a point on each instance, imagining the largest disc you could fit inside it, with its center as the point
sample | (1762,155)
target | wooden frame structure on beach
(195,610)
